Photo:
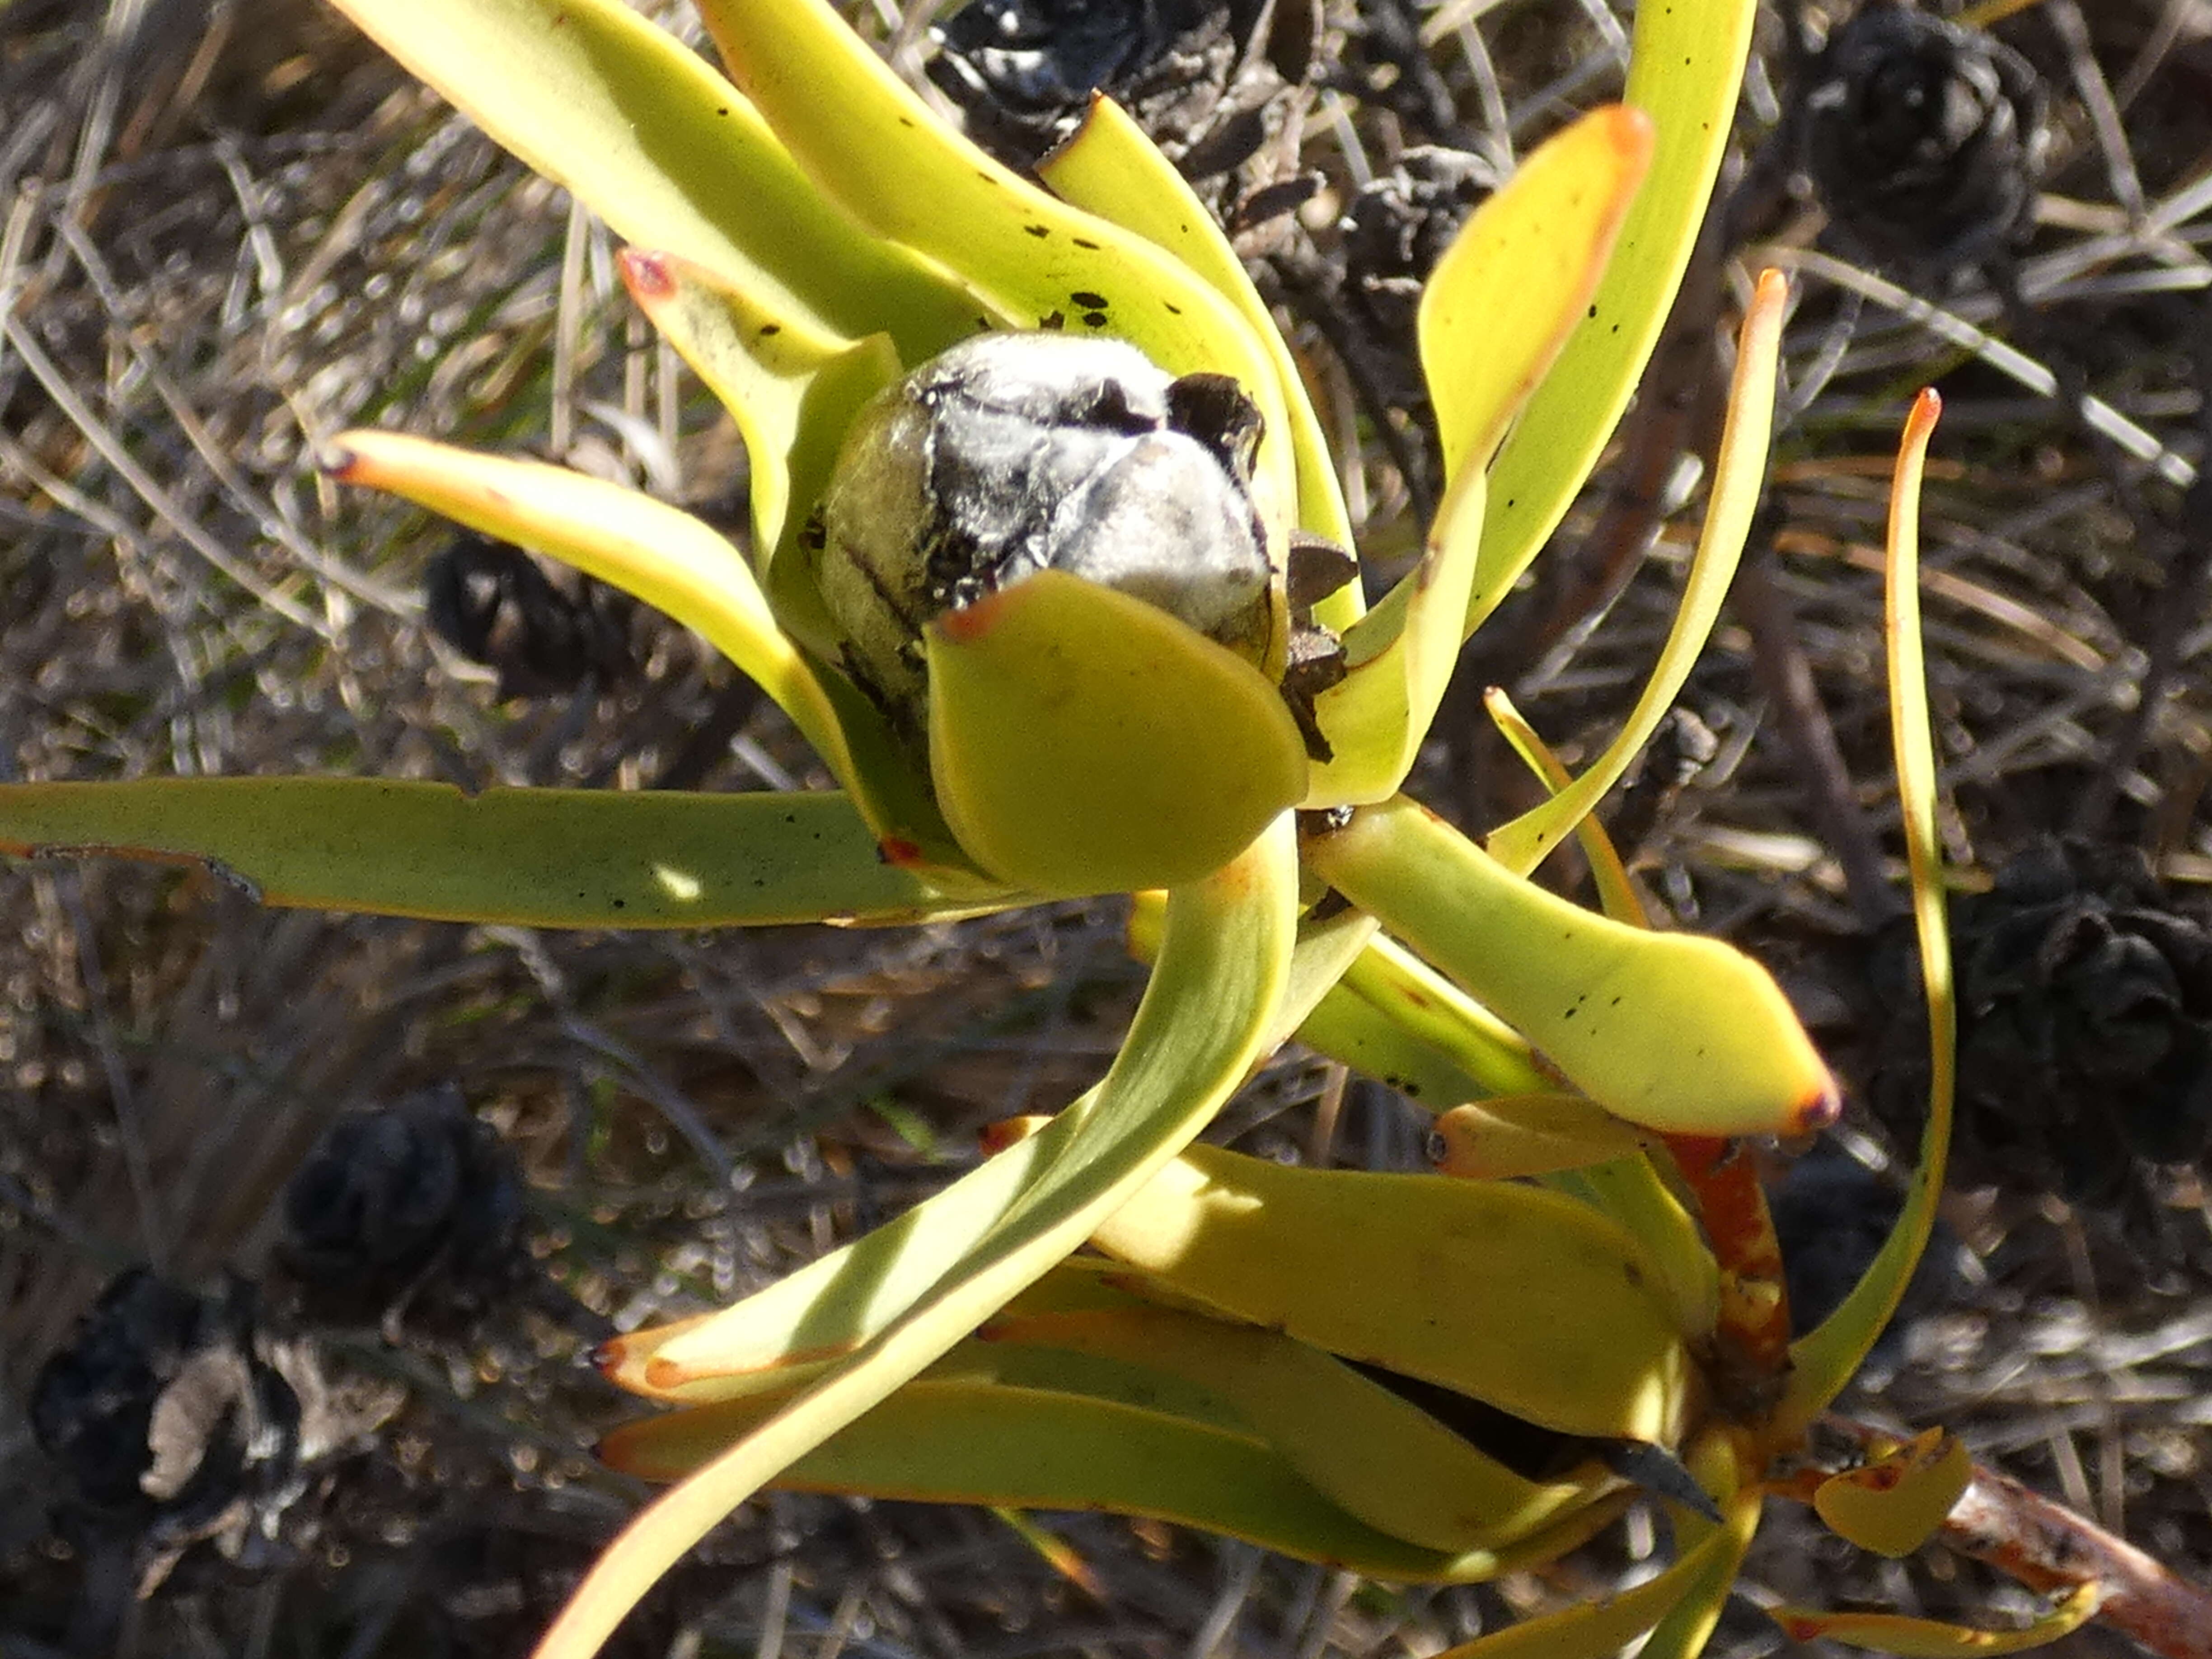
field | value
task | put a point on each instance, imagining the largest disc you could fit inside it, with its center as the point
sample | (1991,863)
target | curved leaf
(1515,282)
(1084,741)
(1599,1630)
(646,135)
(1826,1358)
(792,388)
(1675,1032)
(1738,477)
(1528,1134)
(540,857)
(874,146)
(1214,1004)
(658,552)
(1398,659)
(1616,893)
(1909,1638)
(1685,73)
(974,1442)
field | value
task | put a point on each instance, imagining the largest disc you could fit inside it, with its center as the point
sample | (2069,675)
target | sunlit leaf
(590,95)
(1909,1638)
(1669,1030)
(1084,741)
(1214,1004)
(1739,475)
(1686,71)
(542,858)
(1894,1503)
(1826,1357)
(1110,168)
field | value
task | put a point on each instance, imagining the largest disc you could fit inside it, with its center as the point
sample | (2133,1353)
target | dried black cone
(1925,139)
(491,602)
(160,1413)
(416,1205)
(2085,1039)
(1210,81)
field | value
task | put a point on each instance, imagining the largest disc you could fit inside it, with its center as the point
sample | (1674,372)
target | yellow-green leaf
(1215,1002)
(1908,1638)
(1687,67)
(541,858)
(1824,1360)
(1894,1503)
(1739,475)
(1110,168)
(590,95)
(1675,1032)
(1084,741)
(1516,281)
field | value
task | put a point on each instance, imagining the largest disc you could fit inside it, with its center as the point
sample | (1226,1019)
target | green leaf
(1824,1359)
(542,858)
(658,552)
(1908,1638)
(1110,168)
(1511,1135)
(979,1442)
(1738,477)
(1516,281)
(1616,893)
(1687,66)
(673,561)
(792,388)
(1599,1630)
(1084,741)
(647,135)
(1215,1003)
(874,148)
(1398,659)
(1675,1032)
(1895,1504)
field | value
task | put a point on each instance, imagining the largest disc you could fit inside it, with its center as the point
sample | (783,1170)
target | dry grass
(230,236)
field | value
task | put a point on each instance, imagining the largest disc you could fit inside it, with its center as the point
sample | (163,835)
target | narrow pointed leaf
(1685,73)
(1826,1358)
(1908,1638)
(1616,893)
(1398,658)
(1675,1032)
(1599,1630)
(1512,1135)
(1110,168)
(961,1442)
(646,133)
(877,149)
(1517,280)
(542,858)
(1083,741)
(658,552)
(1739,475)
(1214,1004)
(792,387)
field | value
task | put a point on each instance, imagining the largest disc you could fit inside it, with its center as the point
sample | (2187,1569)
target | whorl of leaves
(1923,138)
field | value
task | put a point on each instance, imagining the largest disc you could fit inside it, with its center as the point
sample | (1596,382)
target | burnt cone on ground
(1212,82)
(492,603)
(161,1416)
(417,1207)
(1831,1216)
(2085,1027)
(1923,139)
